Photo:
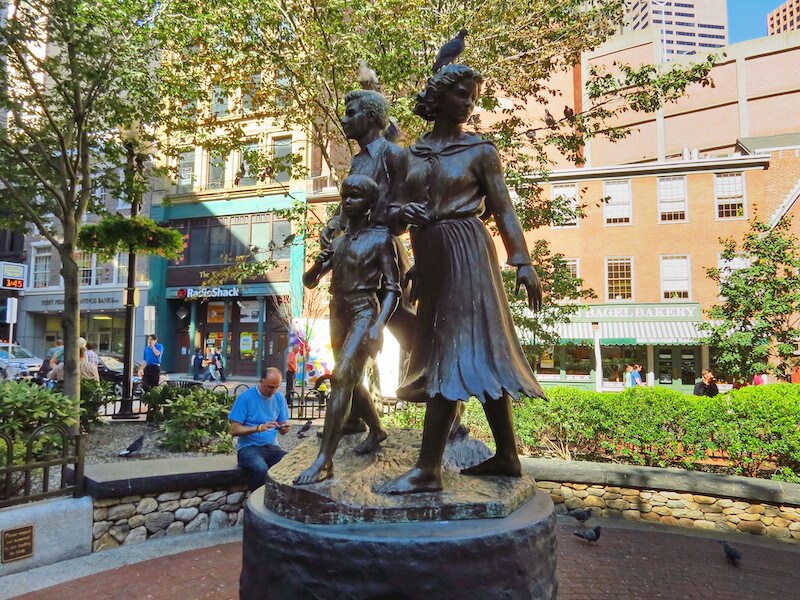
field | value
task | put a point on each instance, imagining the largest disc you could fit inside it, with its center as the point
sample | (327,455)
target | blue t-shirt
(251,409)
(636,378)
(150,357)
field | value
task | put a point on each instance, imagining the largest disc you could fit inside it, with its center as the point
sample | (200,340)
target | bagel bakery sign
(204,293)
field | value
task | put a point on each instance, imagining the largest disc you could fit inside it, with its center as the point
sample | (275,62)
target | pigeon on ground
(568,112)
(590,535)
(304,429)
(460,433)
(450,51)
(549,119)
(367,78)
(581,515)
(134,447)
(732,553)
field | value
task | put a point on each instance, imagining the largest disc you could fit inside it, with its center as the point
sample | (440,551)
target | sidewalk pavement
(631,561)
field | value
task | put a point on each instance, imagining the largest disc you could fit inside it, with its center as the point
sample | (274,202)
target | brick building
(784,18)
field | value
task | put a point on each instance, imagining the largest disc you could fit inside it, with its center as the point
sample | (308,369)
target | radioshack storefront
(242,322)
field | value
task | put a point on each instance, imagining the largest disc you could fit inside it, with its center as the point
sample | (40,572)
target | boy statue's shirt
(363,262)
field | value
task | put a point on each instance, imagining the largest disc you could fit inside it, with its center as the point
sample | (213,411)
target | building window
(282,151)
(619,279)
(573,266)
(675,277)
(671,199)
(216,172)
(40,266)
(249,94)
(121,265)
(617,208)
(86,270)
(246,175)
(219,102)
(568,195)
(729,193)
(186,171)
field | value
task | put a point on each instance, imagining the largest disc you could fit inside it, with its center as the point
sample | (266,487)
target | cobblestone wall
(133,519)
(673,508)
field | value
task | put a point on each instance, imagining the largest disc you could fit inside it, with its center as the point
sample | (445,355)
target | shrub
(159,397)
(654,427)
(198,420)
(755,425)
(94,394)
(411,415)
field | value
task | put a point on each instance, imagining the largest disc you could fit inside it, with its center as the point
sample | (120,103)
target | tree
(561,293)
(755,327)
(77,74)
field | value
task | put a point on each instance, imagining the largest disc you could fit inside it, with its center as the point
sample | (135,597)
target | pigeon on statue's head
(450,51)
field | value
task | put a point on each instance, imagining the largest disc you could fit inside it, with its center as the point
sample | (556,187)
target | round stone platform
(513,557)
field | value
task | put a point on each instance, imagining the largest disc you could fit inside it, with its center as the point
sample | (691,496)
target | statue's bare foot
(412,482)
(496,465)
(372,443)
(319,471)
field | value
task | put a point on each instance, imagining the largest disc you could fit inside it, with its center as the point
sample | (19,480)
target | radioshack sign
(207,292)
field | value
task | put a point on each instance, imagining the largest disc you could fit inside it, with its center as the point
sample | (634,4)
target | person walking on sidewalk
(291,372)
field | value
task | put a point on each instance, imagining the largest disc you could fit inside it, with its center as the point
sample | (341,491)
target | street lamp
(133,167)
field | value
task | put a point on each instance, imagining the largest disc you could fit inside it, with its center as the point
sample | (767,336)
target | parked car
(111,368)
(22,365)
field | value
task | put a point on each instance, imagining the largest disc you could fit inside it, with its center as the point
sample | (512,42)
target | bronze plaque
(17,543)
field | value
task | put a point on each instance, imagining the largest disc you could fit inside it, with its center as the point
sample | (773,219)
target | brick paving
(626,564)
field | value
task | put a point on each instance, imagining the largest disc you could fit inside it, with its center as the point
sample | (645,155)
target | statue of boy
(364,262)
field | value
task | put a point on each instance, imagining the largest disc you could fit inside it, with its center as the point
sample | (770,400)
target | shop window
(729,194)
(675,277)
(41,265)
(282,151)
(614,359)
(672,199)
(617,208)
(619,279)
(578,361)
(567,193)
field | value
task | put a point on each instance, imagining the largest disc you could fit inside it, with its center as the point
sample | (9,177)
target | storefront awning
(636,333)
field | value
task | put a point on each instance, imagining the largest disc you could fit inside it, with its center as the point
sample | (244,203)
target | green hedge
(197,419)
(752,428)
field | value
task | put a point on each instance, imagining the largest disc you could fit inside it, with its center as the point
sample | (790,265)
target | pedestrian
(91,355)
(151,372)
(257,416)
(211,363)
(706,386)
(636,376)
(627,376)
(198,364)
(217,358)
(760,379)
(46,364)
(86,369)
(291,371)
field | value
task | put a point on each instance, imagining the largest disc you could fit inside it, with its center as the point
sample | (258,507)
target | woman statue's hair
(427,105)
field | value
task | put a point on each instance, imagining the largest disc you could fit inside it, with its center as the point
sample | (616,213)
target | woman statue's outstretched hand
(526,275)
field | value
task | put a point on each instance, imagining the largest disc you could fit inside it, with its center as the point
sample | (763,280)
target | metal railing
(42,469)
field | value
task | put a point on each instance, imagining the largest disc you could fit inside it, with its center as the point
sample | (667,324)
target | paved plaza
(630,562)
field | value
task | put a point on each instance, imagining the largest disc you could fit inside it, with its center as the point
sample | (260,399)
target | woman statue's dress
(464,344)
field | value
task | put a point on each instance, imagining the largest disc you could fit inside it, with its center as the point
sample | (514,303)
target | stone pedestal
(481,537)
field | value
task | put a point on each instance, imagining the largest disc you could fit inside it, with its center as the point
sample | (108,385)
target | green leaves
(754,326)
(198,420)
(24,407)
(140,234)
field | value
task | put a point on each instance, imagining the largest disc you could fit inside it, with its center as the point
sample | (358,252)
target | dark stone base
(511,558)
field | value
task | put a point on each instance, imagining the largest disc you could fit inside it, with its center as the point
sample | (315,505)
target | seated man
(257,416)
(86,369)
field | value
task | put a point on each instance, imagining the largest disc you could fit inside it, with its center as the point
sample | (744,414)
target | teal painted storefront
(664,338)
(174,329)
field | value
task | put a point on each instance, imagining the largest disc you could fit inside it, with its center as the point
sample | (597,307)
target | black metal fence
(36,466)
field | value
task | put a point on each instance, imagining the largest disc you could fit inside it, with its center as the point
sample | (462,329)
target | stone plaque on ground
(348,497)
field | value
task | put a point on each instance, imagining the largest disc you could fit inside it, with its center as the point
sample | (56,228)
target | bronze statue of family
(449,310)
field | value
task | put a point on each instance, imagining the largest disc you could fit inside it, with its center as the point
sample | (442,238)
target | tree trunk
(70,321)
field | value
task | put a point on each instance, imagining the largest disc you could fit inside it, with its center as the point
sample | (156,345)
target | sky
(747,19)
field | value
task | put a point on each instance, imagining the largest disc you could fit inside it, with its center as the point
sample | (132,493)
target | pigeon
(581,515)
(590,535)
(549,119)
(392,132)
(134,447)
(240,173)
(450,51)
(531,134)
(367,78)
(568,112)
(459,433)
(304,429)
(732,553)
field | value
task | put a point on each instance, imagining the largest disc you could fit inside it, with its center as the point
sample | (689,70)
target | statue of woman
(465,344)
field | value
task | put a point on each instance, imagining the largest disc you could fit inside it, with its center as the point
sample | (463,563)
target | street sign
(12,275)
(11,310)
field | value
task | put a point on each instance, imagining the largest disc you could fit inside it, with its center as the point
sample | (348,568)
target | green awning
(634,333)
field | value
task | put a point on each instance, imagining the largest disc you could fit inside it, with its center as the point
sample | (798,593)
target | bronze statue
(363,261)
(465,344)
